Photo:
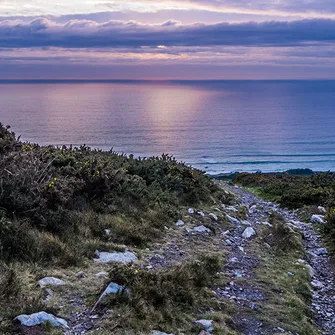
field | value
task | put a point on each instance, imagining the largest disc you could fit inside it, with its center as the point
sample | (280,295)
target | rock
(232,209)
(310,270)
(107,231)
(249,232)
(241,249)
(290,274)
(205,324)
(117,257)
(112,288)
(102,274)
(202,229)
(318,219)
(233,220)
(229,242)
(48,294)
(201,213)
(213,216)
(180,223)
(253,209)
(322,210)
(50,281)
(203,332)
(40,318)
(157,332)
(317,284)
(267,224)
(81,275)
(321,252)
(190,211)
(246,223)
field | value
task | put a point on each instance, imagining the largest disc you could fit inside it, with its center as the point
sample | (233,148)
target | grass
(288,298)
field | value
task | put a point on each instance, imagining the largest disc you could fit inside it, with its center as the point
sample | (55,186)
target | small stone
(253,209)
(241,249)
(249,232)
(206,324)
(322,210)
(107,231)
(190,211)
(318,219)
(290,274)
(201,229)
(232,209)
(102,274)
(81,275)
(246,223)
(267,245)
(321,251)
(116,257)
(50,281)
(229,242)
(310,270)
(201,213)
(233,220)
(317,284)
(213,216)
(267,224)
(157,332)
(180,223)
(40,318)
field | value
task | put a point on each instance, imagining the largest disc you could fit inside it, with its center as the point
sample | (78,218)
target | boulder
(115,257)
(318,219)
(233,220)
(201,229)
(40,318)
(249,232)
(50,281)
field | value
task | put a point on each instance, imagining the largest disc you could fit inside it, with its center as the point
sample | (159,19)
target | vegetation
(56,204)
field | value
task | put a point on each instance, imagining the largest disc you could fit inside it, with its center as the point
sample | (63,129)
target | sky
(167,39)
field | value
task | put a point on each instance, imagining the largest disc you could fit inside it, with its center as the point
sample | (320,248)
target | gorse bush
(292,191)
(51,198)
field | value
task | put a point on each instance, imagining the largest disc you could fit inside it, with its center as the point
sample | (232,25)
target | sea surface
(217,126)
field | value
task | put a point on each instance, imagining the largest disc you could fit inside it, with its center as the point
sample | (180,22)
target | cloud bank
(120,34)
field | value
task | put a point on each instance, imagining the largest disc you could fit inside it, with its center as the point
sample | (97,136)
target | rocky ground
(248,291)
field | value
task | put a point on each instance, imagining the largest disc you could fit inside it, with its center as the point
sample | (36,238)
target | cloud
(120,34)
(306,8)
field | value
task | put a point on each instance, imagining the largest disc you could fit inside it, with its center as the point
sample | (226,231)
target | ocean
(216,126)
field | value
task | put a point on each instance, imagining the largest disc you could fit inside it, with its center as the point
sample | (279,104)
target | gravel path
(323,305)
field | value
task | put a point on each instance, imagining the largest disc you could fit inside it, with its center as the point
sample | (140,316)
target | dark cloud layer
(117,34)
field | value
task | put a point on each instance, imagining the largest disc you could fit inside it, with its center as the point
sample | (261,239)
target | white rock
(246,223)
(107,231)
(213,216)
(321,252)
(102,274)
(201,229)
(201,213)
(322,210)
(40,318)
(253,209)
(318,219)
(50,281)
(81,274)
(112,288)
(310,270)
(206,324)
(180,223)
(241,249)
(232,209)
(317,284)
(157,332)
(116,257)
(265,223)
(249,232)
(233,220)
(190,211)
